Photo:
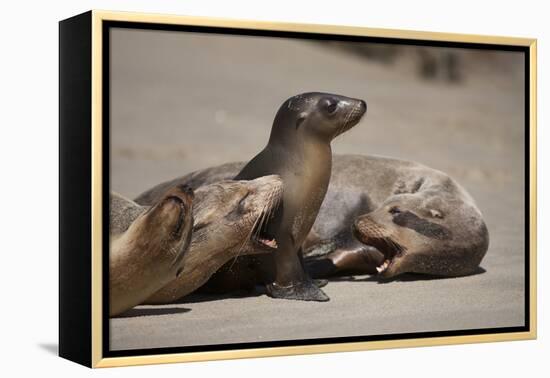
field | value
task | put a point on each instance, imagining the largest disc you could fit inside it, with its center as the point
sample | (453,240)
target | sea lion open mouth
(370,234)
(266,241)
(389,248)
(261,237)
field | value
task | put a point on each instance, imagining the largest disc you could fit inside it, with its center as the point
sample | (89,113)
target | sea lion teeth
(269,242)
(383,267)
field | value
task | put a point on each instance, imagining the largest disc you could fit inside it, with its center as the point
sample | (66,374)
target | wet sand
(181,103)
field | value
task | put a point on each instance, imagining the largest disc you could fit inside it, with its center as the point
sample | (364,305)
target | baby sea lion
(299,152)
(228,217)
(425,223)
(147,246)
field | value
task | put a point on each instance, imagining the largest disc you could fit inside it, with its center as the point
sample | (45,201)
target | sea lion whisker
(274,200)
(262,218)
(257,227)
(245,240)
(343,125)
(392,245)
(176,253)
(254,231)
(267,211)
(350,115)
(347,120)
(170,250)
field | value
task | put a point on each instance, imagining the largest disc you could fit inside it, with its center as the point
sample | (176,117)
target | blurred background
(185,101)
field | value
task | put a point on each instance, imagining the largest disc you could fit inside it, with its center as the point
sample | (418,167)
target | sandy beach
(182,102)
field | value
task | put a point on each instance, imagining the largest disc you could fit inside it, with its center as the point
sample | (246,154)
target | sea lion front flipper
(352,261)
(323,267)
(320,282)
(302,291)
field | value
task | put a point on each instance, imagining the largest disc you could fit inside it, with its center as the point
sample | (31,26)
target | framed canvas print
(235,189)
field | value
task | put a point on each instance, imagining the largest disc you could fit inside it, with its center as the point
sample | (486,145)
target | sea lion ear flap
(301,118)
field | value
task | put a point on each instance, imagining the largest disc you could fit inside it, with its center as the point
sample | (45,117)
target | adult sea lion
(147,246)
(228,216)
(406,218)
(299,152)
(411,218)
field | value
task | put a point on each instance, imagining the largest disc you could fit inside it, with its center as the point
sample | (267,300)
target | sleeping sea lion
(228,216)
(147,246)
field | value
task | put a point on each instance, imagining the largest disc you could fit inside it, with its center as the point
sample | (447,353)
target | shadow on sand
(260,290)
(151,311)
(407,277)
(207,297)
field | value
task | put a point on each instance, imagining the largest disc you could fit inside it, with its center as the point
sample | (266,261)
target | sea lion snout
(365,229)
(353,111)
(363,106)
(372,231)
(359,109)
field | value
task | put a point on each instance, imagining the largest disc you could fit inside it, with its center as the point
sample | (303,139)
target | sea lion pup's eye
(394,210)
(331,106)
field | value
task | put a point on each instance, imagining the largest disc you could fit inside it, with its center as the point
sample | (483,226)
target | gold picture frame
(91,328)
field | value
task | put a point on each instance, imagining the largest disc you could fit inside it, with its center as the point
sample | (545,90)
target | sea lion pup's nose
(363,105)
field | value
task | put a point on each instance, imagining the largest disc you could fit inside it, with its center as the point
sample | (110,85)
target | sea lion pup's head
(230,215)
(425,233)
(321,115)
